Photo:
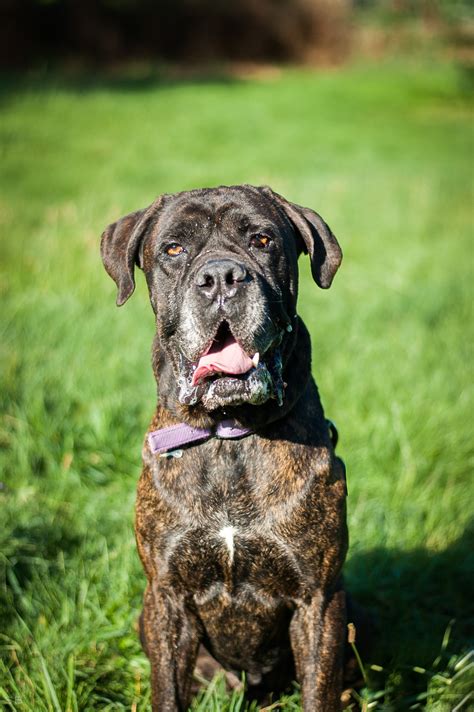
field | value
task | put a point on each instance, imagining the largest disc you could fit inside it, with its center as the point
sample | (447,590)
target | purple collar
(166,439)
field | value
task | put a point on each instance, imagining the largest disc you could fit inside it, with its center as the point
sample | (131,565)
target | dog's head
(221,268)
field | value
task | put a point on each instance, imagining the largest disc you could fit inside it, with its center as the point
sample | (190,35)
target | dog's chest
(232,522)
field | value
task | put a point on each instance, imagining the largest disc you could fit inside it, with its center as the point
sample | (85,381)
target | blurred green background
(376,134)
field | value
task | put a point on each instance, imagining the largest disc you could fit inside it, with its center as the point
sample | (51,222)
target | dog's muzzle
(241,363)
(255,386)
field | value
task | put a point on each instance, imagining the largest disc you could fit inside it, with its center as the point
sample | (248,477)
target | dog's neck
(296,375)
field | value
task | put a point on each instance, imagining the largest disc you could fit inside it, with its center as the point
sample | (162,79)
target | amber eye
(260,241)
(174,249)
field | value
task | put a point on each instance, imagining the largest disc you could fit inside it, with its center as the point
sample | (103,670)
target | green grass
(384,153)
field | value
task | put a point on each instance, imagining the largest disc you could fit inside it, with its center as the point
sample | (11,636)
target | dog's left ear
(120,248)
(319,242)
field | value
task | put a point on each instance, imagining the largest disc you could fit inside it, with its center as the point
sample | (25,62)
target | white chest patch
(227,533)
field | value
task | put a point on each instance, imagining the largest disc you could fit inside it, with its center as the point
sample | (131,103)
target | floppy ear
(319,242)
(120,249)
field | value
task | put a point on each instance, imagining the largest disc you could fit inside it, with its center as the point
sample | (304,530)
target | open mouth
(225,374)
(224,356)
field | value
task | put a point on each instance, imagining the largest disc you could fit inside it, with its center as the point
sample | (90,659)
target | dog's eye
(260,241)
(174,249)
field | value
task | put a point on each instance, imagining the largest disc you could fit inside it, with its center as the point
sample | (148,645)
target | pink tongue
(230,358)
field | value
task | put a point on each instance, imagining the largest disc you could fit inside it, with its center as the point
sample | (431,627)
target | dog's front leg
(317,634)
(171,641)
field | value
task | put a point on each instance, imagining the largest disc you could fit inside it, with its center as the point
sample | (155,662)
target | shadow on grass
(414,596)
(32,548)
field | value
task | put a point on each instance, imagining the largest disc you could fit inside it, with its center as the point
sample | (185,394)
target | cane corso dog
(241,514)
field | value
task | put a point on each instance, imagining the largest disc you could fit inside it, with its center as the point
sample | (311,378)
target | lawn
(385,154)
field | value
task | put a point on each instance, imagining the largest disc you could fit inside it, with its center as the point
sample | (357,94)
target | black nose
(220,277)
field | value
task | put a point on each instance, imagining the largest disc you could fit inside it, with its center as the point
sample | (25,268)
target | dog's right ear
(120,248)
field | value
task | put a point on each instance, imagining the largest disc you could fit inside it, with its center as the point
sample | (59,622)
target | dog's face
(221,268)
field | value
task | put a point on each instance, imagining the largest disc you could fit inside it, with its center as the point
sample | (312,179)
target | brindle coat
(242,541)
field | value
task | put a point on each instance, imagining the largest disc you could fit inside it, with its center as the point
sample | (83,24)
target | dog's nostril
(230,278)
(205,280)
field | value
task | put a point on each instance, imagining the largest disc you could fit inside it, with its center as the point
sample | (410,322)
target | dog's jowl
(240,515)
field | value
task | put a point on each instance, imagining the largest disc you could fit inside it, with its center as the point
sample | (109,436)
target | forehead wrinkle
(189,210)
(223,211)
(235,216)
(187,218)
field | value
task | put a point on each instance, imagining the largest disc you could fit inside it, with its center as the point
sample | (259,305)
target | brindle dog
(242,540)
